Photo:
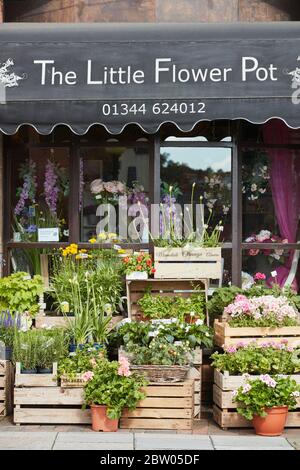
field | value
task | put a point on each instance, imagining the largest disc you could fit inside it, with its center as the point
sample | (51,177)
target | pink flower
(246,388)
(230,349)
(88,375)
(124,367)
(97,186)
(110,187)
(284,341)
(259,277)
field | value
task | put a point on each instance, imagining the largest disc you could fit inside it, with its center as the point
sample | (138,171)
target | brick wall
(199,11)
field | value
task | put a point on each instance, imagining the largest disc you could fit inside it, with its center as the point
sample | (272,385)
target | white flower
(199,322)
(295,394)
(253,187)
(273,273)
(207,334)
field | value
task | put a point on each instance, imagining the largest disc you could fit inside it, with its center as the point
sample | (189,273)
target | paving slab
(250,443)
(144,441)
(295,442)
(92,446)
(27,440)
(94,437)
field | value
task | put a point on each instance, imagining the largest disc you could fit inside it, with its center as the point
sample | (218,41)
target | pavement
(206,435)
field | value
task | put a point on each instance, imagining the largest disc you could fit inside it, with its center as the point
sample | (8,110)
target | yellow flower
(82,250)
(77,257)
(121,251)
(112,235)
(93,240)
(102,236)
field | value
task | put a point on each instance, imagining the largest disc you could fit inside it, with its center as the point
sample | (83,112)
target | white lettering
(44,64)
(250,65)
(159,69)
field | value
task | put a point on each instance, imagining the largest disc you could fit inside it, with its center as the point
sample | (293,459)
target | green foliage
(157,307)
(265,392)
(39,348)
(80,361)
(104,270)
(160,352)
(20,293)
(7,335)
(257,359)
(226,295)
(142,333)
(115,391)
(270,321)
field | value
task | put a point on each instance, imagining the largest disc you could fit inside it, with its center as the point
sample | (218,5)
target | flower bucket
(100,421)
(272,424)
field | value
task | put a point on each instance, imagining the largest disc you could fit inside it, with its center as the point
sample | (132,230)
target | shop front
(116,115)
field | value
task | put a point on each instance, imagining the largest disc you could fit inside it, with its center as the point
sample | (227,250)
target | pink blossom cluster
(266,379)
(98,186)
(124,367)
(282,344)
(88,375)
(261,307)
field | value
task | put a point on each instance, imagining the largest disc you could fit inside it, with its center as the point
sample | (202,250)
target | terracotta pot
(191,319)
(100,421)
(272,424)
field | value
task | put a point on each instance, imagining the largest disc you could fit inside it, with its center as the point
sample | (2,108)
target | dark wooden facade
(196,11)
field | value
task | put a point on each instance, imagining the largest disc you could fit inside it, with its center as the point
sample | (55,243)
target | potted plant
(266,401)
(195,255)
(8,324)
(26,351)
(161,361)
(109,388)
(138,266)
(72,366)
(52,346)
(20,293)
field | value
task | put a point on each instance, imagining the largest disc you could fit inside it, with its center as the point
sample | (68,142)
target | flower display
(138,262)
(265,236)
(27,192)
(217,190)
(258,358)
(256,177)
(51,189)
(265,310)
(107,192)
(124,367)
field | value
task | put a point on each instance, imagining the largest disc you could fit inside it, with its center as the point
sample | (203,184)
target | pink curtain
(285,192)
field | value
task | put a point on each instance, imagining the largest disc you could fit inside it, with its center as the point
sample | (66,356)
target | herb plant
(20,293)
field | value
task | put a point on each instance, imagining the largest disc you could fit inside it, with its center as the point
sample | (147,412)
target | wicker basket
(155,373)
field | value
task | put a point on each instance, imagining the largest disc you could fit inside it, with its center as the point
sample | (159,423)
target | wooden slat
(2,382)
(3,367)
(46,321)
(170,390)
(232,419)
(187,254)
(51,416)
(231,382)
(187,270)
(158,413)
(166,402)
(2,395)
(144,423)
(48,396)
(2,410)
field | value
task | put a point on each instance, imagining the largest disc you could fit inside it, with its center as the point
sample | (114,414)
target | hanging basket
(156,373)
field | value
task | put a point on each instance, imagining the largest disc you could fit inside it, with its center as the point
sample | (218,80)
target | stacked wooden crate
(39,400)
(6,387)
(224,409)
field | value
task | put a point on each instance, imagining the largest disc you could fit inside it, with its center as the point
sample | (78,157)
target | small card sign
(48,234)
(137,275)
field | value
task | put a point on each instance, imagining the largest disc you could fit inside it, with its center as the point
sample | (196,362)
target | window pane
(40,189)
(210,169)
(271,198)
(278,265)
(128,166)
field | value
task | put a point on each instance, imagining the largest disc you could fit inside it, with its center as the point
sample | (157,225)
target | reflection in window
(210,169)
(114,175)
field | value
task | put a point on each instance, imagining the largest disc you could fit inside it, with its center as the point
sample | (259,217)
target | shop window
(113,180)
(210,170)
(40,199)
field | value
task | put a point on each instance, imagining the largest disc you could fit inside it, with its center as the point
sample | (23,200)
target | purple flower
(51,189)
(31,229)
(28,190)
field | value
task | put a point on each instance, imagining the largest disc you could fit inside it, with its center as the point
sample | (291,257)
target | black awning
(148,74)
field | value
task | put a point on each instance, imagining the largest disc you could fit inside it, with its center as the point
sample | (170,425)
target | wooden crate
(226,335)
(165,407)
(6,388)
(187,263)
(224,409)
(66,382)
(165,287)
(35,380)
(47,321)
(49,405)
(195,374)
